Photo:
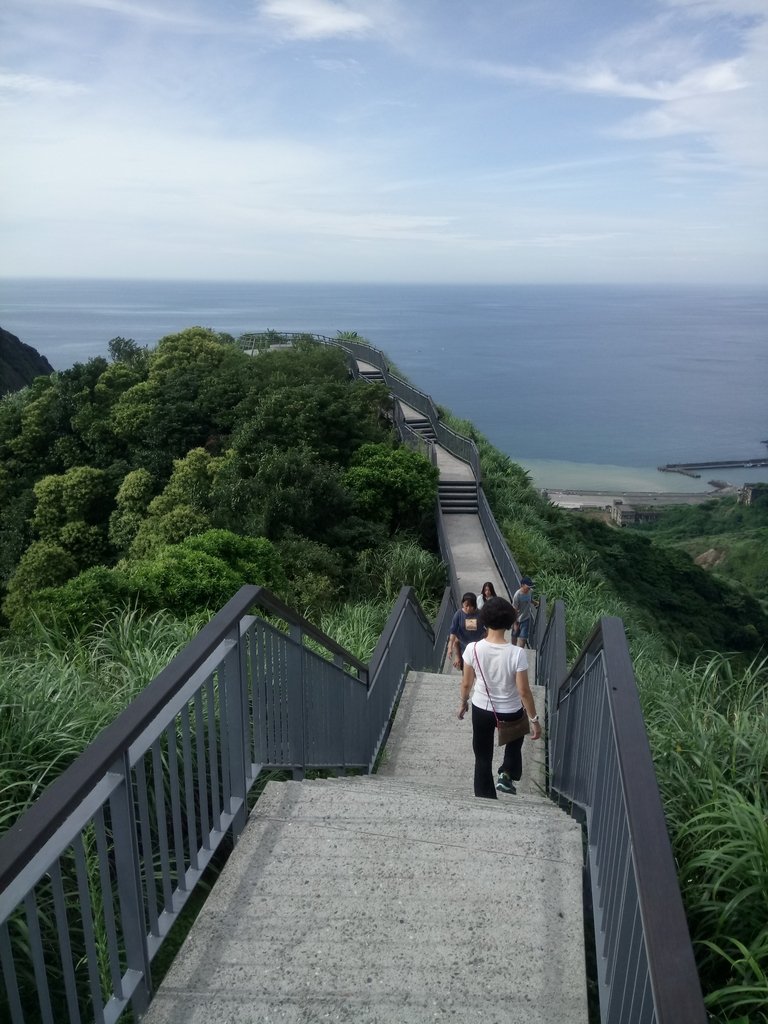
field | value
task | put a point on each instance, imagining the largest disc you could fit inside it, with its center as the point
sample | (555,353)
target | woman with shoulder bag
(496,679)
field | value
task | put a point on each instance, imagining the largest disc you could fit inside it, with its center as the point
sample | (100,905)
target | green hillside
(138,493)
(728,539)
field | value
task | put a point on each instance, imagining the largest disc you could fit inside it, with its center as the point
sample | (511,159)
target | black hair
(497,613)
(472,598)
(488,584)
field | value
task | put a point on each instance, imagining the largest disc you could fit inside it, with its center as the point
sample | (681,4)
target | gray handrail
(600,764)
(136,819)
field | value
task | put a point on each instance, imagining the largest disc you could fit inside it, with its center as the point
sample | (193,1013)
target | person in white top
(496,677)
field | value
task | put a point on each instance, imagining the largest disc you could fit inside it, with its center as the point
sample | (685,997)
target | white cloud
(273,129)
(35,85)
(163,15)
(316,19)
(706,8)
(721,103)
(719,77)
(349,65)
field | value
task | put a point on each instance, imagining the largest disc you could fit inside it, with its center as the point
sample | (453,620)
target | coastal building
(630,515)
(753,494)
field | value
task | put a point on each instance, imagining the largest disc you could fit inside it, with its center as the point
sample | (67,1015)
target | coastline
(584,499)
(627,481)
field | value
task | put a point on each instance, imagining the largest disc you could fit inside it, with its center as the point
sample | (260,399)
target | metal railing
(96,872)
(601,769)
(508,568)
(462,448)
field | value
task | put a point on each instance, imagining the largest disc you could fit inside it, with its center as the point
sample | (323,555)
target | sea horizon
(585,385)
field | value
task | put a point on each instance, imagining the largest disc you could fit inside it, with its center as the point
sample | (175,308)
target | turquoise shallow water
(596,477)
(584,385)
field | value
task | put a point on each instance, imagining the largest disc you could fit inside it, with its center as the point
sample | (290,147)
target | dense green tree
(134,457)
(305,363)
(15,530)
(255,559)
(395,485)
(315,575)
(43,422)
(43,564)
(82,494)
(194,383)
(204,572)
(333,418)
(183,580)
(287,490)
(131,503)
(183,507)
(129,353)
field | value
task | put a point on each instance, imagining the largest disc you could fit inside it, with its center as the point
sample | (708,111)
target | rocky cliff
(19,363)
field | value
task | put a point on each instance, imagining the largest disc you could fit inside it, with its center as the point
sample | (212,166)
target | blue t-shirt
(466,626)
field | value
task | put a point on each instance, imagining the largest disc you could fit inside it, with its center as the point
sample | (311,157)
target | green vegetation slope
(728,539)
(147,488)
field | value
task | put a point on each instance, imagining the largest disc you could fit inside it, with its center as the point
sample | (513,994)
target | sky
(493,141)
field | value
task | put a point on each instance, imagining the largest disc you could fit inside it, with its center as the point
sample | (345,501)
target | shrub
(397,486)
(255,559)
(383,572)
(183,580)
(314,576)
(43,564)
(82,601)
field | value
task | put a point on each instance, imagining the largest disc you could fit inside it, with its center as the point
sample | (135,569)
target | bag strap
(490,699)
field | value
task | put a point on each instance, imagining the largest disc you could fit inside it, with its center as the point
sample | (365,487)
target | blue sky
(385,140)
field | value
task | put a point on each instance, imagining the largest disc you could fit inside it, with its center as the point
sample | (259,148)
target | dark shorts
(524,629)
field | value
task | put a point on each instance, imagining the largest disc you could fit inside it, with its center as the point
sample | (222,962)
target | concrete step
(353,903)
(458,497)
(429,746)
(391,786)
(423,427)
(458,510)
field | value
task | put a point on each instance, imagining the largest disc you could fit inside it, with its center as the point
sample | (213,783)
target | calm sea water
(587,386)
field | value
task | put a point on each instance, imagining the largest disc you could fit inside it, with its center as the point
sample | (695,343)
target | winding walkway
(396,898)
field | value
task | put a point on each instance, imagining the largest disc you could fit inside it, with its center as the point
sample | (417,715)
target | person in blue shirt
(465,628)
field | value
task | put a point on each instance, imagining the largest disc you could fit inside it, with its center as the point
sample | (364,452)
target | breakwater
(689,468)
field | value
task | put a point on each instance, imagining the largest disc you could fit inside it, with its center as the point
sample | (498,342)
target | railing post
(233,688)
(296,701)
(129,888)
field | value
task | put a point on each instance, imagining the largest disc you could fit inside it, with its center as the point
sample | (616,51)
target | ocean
(586,386)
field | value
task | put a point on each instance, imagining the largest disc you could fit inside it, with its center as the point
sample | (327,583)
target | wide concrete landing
(355,902)
(471,555)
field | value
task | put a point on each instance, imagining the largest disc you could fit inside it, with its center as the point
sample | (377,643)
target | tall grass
(58,692)
(403,562)
(383,572)
(707,727)
(358,626)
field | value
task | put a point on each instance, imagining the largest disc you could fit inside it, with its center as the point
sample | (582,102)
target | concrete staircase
(393,899)
(422,426)
(458,497)
(373,374)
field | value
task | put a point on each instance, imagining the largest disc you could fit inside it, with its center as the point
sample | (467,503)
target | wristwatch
(534,719)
